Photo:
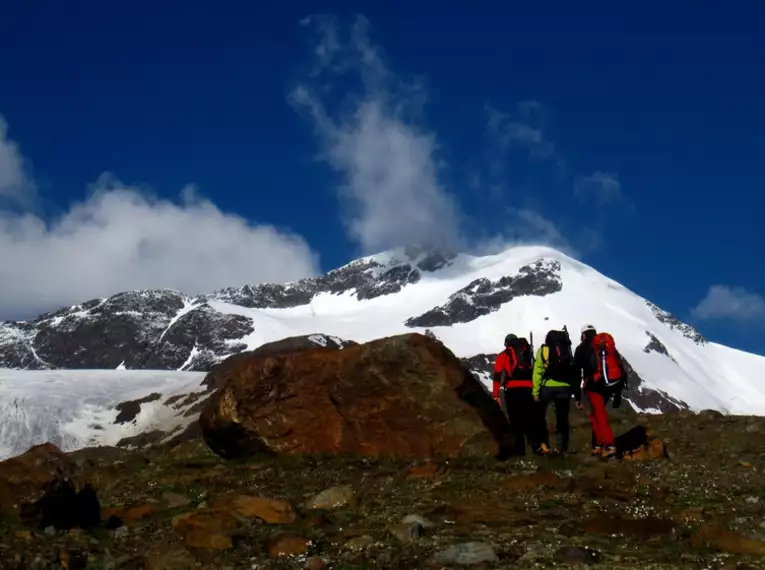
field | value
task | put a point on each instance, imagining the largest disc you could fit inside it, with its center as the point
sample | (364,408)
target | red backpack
(521,360)
(606,363)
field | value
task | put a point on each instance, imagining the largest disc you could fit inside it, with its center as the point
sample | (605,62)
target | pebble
(50,531)
(332,498)
(752,500)
(577,555)
(466,554)
(406,532)
(121,532)
(422,521)
(360,542)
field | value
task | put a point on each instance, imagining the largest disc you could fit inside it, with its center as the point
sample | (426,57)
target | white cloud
(15,186)
(391,191)
(602,186)
(730,303)
(120,238)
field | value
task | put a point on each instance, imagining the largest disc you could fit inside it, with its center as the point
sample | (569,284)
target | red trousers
(601,429)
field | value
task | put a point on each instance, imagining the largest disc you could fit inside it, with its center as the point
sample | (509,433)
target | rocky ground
(698,505)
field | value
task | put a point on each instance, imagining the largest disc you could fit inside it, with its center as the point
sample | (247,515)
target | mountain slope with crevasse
(467,302)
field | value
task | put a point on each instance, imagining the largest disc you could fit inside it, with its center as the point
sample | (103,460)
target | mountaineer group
(525,384)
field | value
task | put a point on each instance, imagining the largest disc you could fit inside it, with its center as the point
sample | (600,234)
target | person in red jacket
(604,376)
(512,390)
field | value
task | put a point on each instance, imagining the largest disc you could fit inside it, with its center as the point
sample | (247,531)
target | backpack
(558,358)
(521,360)
(605,360)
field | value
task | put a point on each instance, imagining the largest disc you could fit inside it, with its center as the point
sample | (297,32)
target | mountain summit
(468,302)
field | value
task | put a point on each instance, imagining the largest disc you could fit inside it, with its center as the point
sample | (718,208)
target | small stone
(752,500)
(50,531)
(272,511)
(422,521)
(315,563)
(332,498)
(576,555)
(287,546)
(406,532)
(360,542)
(466,554)
(121,533)
(165,556)
(174,500)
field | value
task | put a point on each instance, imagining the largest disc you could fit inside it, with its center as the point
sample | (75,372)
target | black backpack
(523,360)
(560,358)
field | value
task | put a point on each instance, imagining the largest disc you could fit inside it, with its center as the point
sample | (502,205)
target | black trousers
(525,418)
(560,397)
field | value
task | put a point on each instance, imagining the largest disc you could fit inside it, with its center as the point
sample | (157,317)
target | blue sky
(196,146)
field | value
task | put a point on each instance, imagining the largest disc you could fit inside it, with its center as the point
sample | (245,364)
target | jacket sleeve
(539,370)
(497,376)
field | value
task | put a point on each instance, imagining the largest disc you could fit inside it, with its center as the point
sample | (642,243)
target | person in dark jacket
(512,387)
(597,395)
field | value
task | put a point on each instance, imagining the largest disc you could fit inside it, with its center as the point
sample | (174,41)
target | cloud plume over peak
(121,238)
(390,192)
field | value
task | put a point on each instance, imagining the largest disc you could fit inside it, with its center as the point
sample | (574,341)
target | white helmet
(586,328)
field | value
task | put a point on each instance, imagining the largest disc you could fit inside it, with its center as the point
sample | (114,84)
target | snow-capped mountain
(467,302)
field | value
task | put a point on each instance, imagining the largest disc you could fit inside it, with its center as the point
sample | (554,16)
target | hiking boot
(597,451)
(609,452)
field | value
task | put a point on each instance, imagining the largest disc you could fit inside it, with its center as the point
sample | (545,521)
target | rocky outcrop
(484,296)
(674,323)
(198,339)
(39,488)
(365,278)
(403,396)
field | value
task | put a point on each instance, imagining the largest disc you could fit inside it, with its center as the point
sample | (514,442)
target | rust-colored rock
(727,541)
(206,529)
(287,546)
(405,396)
(272,511)
(25,477)
(653,450)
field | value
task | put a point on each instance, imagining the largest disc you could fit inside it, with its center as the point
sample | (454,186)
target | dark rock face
(16,349)
(655,345)
(105,334)
(675,324)
(484,296)
(367,277)
(198,339)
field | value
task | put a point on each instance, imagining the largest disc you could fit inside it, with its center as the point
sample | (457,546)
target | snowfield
(76,408)
(72,408)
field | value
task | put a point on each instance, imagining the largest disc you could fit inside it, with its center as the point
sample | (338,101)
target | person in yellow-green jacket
(555,380)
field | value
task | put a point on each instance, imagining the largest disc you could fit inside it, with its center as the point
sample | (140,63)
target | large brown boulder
(406,396)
